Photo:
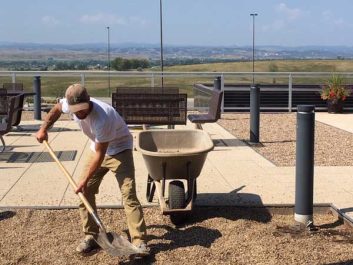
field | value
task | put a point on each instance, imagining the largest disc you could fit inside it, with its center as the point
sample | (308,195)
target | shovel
(112,243)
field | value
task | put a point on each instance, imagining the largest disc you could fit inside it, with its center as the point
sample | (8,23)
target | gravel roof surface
(333,147)
(225,235)
(211,236)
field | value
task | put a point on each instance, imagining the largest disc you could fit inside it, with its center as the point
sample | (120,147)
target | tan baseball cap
(77,98)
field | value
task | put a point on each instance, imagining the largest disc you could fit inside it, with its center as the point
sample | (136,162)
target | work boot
(143,249)
(87,245)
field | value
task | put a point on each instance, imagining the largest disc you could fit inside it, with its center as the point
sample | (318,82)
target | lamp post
(253,46)
(161,34)
(108,29)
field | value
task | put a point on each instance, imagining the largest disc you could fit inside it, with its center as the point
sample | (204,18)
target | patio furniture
(13,86)
(148,90)
(6,125)
(16,117)
(143,106)
(214,112)
(3,103)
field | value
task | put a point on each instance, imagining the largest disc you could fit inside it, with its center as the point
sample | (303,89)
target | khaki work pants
(122,165)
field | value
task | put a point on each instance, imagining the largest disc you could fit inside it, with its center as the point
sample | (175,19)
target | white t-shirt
(104,124)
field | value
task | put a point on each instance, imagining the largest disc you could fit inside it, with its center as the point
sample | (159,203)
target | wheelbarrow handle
(74,185)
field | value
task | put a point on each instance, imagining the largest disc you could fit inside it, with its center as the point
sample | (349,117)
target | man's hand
(49,120)
(42,135)
(81,186)
(95,163)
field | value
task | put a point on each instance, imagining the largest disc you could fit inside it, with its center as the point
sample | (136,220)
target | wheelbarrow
(173,156)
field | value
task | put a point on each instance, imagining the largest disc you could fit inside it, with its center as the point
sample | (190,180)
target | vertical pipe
(253,47)
(83,79)
(37,98)
(108,28)
(152,80)
(161,33)
(222,89)
(304,170)
(290,93)
(217,83)
(255,114)
(253,50)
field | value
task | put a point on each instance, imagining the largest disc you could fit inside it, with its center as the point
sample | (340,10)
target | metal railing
(55,82)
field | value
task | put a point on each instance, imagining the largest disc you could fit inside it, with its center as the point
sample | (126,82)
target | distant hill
(98,51)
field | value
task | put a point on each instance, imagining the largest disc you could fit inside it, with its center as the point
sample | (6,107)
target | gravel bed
(225,235)
(333,147)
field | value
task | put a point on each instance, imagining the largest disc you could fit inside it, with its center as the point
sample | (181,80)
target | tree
(117,64)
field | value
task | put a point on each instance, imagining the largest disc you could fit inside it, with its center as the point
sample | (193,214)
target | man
(111,146)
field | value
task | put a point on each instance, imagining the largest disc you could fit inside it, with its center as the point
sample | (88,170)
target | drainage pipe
(304,170)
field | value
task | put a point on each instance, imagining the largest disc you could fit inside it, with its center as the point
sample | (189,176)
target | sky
(185,22)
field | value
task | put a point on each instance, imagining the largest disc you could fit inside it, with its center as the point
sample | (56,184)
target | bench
(147,90)
(13,86)
(16,117)
(6,121)
(214,112)
(143,106)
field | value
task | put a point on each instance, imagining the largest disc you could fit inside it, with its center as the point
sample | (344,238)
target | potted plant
(335,92)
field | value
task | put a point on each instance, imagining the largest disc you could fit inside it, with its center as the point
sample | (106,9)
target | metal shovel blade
(116,245)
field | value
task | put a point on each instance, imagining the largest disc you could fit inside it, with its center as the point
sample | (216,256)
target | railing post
(37,98)
(13,77)
(217,83)
(304,169)
(290,92)
(254,114)
(83,79)
(222,89)
(152,80)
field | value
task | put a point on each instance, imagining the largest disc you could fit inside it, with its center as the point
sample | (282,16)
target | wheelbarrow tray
(172,150)
(173,154)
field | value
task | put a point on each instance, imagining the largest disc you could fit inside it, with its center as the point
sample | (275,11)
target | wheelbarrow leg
(192,187)
(192,190)
(164,178)
(151,188)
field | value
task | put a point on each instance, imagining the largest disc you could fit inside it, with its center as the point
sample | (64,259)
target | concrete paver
(233,174)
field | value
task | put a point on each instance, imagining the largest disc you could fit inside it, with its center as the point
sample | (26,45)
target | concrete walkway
(233,174)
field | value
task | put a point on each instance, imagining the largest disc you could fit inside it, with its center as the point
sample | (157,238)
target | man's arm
(50,119)
(101,149)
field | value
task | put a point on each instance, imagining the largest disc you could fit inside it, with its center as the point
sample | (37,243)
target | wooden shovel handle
(74,185)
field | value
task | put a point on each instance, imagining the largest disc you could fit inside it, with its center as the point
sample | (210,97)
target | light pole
(108,29)
(161,32)
(253,46)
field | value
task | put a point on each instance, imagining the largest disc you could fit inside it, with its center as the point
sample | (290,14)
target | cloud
(330,18)
(285,18)
(109,19)
(137,20)
(276,25)
(289,13)
(49,20)
(101,18)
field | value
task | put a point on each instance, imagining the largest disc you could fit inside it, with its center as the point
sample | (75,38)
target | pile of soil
(226,235)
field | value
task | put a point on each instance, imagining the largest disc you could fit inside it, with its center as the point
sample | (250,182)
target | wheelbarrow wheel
(176,198)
